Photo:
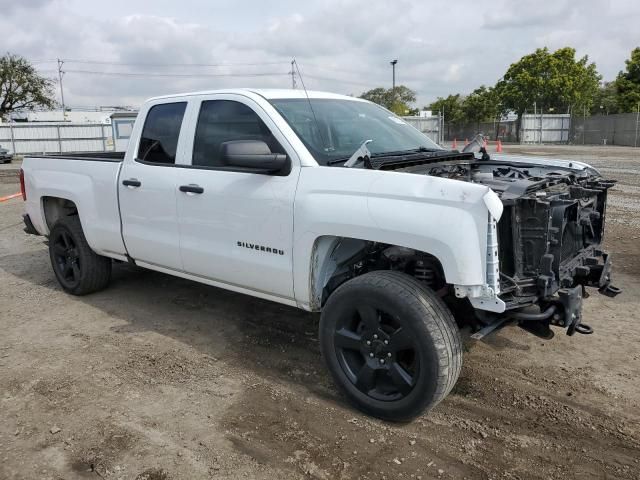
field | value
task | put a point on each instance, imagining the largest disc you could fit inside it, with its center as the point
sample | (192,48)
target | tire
(392,346)
(79,269)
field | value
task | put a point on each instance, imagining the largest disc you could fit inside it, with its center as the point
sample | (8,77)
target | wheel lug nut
(371,354)
(386,342)
(375,335)
(368,342)
(382,360)
(389,354)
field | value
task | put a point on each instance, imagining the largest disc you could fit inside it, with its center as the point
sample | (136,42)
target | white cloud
(442,47)
(524,14)
(453,72)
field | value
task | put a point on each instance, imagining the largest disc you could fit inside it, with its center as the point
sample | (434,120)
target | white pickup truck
(331,203)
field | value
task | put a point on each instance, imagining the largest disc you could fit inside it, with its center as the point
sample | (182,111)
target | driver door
(238,228)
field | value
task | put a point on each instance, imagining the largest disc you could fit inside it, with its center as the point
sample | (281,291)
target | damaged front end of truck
(547,246)
(551,234)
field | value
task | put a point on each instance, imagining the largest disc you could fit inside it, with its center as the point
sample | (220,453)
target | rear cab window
(159,139)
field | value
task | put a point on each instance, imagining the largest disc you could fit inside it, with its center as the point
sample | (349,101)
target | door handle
(191,188)
(132,182)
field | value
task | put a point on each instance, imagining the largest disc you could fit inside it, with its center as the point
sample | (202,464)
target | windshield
(341,126)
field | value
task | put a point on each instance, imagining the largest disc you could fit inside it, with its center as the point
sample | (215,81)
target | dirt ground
(161,378)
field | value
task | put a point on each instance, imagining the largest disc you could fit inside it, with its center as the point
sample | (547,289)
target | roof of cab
(268,93)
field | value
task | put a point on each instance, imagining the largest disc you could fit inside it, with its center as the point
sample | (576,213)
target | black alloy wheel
(391,344)
(77,267)
(377,353)
(66,258)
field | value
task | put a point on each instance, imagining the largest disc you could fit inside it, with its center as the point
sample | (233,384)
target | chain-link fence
(503,130)
(534,129)
(619,129)
(438,131)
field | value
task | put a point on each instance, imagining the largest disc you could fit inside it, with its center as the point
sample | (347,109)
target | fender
(445,218)
(91,186)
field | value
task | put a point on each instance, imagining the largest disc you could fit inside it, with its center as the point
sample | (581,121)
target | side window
(222,121)
(159,140)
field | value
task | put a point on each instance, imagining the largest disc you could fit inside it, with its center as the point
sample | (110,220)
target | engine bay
(509,180)
(551,230)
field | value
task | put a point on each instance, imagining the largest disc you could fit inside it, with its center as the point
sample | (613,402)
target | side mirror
(253,155)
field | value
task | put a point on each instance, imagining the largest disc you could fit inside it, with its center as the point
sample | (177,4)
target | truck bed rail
(88,156)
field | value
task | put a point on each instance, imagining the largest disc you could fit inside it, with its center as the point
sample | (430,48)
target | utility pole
(293,75)
(60,74)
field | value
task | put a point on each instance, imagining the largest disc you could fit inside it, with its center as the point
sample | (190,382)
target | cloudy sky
(119,52)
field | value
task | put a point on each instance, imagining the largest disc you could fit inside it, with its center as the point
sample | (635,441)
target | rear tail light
(22,189)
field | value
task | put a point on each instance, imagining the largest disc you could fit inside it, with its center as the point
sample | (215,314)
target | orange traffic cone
(455,144)
(499,147)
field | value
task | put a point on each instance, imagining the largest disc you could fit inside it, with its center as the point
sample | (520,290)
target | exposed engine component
(551,228)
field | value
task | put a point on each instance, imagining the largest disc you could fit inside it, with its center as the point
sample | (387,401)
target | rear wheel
(391,344)
(79,269)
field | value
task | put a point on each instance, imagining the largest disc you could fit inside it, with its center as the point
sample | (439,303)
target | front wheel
(79,269)
(391,344)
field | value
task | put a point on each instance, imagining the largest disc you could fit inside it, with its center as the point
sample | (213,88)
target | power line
(186,75)
(142,64)
(292,72)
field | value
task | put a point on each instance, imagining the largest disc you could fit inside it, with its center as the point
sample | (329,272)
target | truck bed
(90,182)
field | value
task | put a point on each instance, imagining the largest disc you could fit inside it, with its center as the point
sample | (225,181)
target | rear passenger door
(148,185)
(238,230)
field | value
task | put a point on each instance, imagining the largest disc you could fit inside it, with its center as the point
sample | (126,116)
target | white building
(97,115)
(100,132)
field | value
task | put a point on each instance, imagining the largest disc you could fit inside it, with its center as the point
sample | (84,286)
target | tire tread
(96,269)
(439,322)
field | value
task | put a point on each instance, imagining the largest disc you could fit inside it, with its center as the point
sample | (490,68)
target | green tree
(628,83)
(451,108)
(605,101)
(397,100)
(481,105)
(550,81)
(21,87)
